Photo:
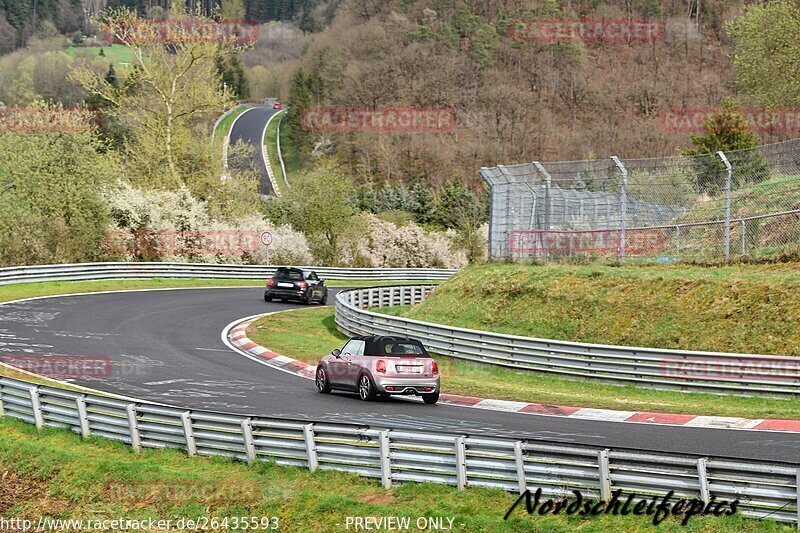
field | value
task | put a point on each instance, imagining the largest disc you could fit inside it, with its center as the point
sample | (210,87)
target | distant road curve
(249,128)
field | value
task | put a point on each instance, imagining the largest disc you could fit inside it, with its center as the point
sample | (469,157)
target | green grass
(743,309)
(291,158)
(56,474)
(118,54)
(307,334)
(270,141)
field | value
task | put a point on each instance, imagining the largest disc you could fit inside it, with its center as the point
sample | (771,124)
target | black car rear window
(394,348)
(293,275)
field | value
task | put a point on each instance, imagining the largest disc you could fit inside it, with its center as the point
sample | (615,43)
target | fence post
(133,427)
(311,447)
(191,446)
(386,459)
(702,477)
(728,179)
(519,457)
(461,462)
(744,230)
(677,240)
(623,208)
(249,444)
(2,411)
(605,475)
(83,416)
(37,408)
(547,222)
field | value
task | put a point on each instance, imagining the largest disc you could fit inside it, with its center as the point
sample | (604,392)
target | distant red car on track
(276,105)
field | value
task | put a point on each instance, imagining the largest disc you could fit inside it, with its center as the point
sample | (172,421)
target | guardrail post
(133,427)
(381,294)
(2,412)
(519,457)
(402,295)
(369,297)
(728,179)
(191,445)
(83,416)
(702,477)
(386,459)
(797,494)
(36,405)
(605,475)
(311,447)
(461,462)
(249,443)
(623,207)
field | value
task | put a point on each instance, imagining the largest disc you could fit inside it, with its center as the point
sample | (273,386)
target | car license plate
(287,285)
(409,370)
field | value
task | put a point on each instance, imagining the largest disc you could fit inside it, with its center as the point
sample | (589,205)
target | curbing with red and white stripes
(237,336)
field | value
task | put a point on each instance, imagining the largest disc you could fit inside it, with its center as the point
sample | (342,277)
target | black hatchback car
(296,284)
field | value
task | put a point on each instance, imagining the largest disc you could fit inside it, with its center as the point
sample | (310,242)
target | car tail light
(302,284)
(270,282)
(434,368)
(380,366)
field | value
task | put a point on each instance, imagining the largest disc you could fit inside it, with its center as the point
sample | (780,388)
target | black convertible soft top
(385,345)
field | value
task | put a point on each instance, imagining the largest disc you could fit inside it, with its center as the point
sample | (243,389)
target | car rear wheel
(309,298)
(324,300)
(365,389)
(322,381)
(267,298)
(431,398)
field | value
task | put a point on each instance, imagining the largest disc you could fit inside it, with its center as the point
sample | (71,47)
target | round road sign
(266,238)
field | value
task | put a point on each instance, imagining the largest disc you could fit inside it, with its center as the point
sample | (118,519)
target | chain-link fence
(706,207)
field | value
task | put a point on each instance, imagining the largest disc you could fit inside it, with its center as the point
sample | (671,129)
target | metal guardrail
(713,372)
(397,456)
(102,271)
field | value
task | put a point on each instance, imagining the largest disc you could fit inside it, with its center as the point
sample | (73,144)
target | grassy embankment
(271,142)
(737,308)
(56,474)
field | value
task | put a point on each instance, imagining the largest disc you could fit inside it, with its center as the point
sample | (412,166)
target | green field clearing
(56,474)
(118,54)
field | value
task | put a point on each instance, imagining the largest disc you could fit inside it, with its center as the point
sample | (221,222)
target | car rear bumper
(406,386)
(285,293)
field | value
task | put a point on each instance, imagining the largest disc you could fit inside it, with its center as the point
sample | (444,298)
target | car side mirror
(336,353)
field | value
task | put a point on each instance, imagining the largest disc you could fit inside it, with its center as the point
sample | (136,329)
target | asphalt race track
(166,346)
(249,128)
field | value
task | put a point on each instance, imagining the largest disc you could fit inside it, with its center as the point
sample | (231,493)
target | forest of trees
(19,19)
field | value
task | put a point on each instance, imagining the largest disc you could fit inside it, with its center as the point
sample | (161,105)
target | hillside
(735,309)
(515,101)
